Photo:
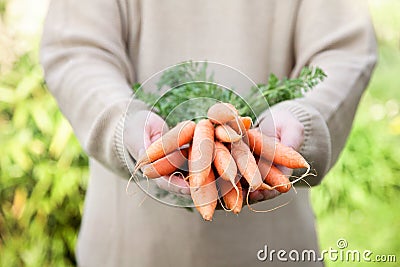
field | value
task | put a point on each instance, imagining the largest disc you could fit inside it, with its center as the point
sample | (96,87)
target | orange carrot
(261,145)
(277,179)
(272,150)
(224,163)
(229,194)
(202,152)
(205,198)
(247,122)
(166,165)
(221,113)
(225,133)
(273,176)
(181,134)
(232,107)
(239,127)
(247,166)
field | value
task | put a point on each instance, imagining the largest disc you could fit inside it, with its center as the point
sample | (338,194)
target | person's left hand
(288,130)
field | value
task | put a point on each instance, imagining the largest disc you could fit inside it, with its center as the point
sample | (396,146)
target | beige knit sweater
(93,50)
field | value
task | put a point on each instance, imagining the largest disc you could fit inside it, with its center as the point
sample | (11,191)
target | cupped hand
(288,130)
(143,128)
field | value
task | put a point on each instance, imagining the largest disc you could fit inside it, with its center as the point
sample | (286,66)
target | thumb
(153,138)
(268,125)
(292,133)
(136,135)
(292,138)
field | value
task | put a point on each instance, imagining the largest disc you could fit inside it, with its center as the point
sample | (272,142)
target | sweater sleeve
(83,53)
(338,37)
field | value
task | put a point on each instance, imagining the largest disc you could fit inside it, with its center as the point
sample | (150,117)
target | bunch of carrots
(223,145)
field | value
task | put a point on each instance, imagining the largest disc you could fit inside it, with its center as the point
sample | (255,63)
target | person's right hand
(142,129)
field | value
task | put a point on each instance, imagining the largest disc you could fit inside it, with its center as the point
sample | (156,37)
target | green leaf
(190,80)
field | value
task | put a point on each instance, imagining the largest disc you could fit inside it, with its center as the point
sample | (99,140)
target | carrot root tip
(264,186)
(207,218)
(236,211)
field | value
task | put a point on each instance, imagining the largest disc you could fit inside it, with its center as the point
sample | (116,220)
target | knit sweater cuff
(316,147)
(125,159)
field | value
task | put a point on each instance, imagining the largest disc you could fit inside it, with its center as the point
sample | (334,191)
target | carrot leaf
(185,82)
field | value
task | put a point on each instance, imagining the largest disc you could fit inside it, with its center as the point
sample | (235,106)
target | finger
(252,197)
(256,196)
(141,129)
(149,139)
(154,127)
(269,194)
(268,126)
(262,195)
(174,184)
(135,139)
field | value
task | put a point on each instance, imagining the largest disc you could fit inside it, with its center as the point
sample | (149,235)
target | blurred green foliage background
(359,199)
(43,171)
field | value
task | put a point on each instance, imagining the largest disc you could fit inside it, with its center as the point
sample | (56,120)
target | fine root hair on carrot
(132,177)
(227,195)
(240,125)
(236,208)
(223,206)
(268,210)
(273,176)
(304,175)
(298,178)
(142,201)
(237,197)
(305,181)
(178,136)
(286,203)
(239,200)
